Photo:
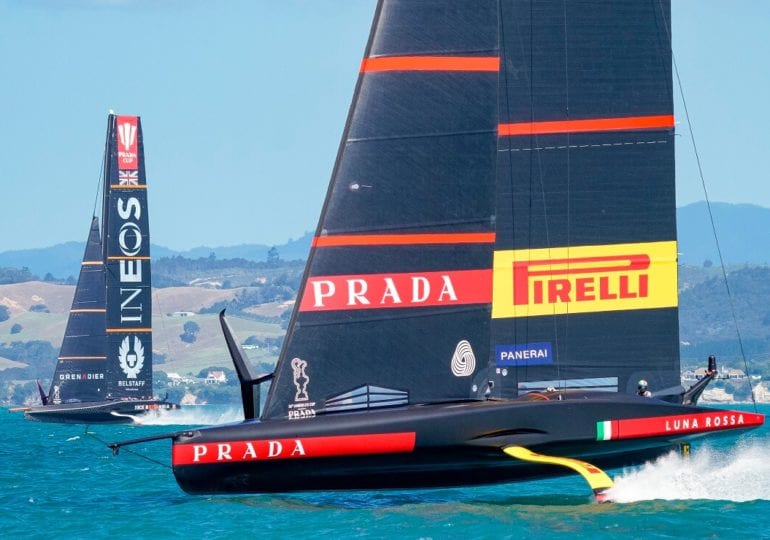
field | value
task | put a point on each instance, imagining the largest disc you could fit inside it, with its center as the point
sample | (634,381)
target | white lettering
(199,450)
(274,448)
(448,290)
(124,306)
(130,271)
(318,291)
(299,450)
(223,451)
(130,232)
(390,291)
(420,289)
(356,291)
(132,206)
(250,451)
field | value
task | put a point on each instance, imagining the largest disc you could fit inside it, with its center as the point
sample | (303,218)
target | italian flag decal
(604,430)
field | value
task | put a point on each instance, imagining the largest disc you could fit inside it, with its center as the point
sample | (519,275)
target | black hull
(453,445)
(100,412)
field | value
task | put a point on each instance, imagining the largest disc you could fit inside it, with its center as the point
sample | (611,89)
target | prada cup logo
(127,135)
(463,360)
(301,379)
(131,362)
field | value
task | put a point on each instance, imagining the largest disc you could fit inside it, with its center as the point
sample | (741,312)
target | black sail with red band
(500,216)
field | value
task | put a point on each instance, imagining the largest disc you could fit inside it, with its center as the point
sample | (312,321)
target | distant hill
(743,229)
(63,260)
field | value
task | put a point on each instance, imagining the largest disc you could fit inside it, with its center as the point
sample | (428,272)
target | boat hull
(100,412)
(435,445)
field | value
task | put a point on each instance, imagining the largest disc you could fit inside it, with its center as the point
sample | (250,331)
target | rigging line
(99,182)
(125,449)
(569,197)
(162,321)
(708,206)
(540,177)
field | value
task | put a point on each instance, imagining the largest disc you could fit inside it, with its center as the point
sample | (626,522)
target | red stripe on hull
(629,123)
(687,423)
(297,448)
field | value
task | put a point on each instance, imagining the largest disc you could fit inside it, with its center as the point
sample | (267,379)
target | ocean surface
(59,481)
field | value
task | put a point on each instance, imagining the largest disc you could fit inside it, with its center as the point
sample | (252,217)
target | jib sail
(80,373)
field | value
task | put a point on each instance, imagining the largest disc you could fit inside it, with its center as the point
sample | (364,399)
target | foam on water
(739,474)
(191,416)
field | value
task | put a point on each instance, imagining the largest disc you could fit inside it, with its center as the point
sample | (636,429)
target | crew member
(643,389)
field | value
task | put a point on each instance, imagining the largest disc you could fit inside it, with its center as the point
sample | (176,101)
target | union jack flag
(128,178)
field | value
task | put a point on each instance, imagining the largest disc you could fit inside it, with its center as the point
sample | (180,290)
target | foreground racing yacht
(494,269)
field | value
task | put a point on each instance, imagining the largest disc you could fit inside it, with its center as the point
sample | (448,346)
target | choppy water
(57,481)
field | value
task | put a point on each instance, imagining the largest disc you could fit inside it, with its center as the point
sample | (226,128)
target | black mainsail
(127,260)
(104,370)
(493,270)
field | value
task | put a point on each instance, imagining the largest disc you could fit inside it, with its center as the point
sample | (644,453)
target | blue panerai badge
(528,354)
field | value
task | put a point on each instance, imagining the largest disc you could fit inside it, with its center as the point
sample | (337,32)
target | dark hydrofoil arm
(249,379)
(116,446)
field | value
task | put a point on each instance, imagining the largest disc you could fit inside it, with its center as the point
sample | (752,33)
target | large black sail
(500,217)
(127,256)
(80,373)
(585,254)
(395,303)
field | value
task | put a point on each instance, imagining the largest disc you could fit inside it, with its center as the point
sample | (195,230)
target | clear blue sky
(243,103)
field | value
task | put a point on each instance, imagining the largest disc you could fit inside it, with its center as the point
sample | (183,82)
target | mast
(127,261)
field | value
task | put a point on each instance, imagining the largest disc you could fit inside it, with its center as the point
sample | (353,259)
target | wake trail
(187,416)
(739,474)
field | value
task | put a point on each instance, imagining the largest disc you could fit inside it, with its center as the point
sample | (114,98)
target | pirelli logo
(584,279)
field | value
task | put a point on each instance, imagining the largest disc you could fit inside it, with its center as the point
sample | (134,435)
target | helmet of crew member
(642,384)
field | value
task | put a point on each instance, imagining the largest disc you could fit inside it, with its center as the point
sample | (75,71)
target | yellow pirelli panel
(584,279)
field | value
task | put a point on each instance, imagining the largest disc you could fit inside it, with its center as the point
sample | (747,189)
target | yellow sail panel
(584,279)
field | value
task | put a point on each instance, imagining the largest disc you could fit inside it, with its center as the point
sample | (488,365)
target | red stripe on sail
(430,63)
(402,239)
(297,448)
(628,123)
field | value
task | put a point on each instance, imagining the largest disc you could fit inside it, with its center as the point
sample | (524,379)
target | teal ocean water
(57,481)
